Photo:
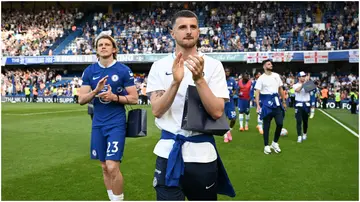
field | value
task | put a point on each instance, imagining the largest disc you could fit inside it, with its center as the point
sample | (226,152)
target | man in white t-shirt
(269,88)
(185,168)
(302,107)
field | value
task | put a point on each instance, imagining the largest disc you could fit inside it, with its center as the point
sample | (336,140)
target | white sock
(247,118)
(110,194)
(241,118)
(259,121)
(304,134)
(118,197)
(312,110)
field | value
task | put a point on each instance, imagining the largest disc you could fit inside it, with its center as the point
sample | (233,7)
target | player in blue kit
(230,106)
(111,85)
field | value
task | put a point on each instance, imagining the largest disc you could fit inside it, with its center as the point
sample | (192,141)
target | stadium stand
(31,34)
(230,27)
(225,27)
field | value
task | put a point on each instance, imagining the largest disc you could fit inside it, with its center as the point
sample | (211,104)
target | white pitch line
(338,122)
(52,112)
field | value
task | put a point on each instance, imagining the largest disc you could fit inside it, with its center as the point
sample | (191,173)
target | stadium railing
(308,57)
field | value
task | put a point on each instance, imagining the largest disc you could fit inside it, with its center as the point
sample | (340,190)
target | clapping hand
(101,84)
(196,65)
(178,68)
(108,95)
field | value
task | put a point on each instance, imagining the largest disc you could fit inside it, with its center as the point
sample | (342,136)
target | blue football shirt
(232,85)
(252,90)
(120,76)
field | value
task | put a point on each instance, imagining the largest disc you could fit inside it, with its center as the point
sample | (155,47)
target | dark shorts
(199,182)
(244,106)
(230,110)
(107,142)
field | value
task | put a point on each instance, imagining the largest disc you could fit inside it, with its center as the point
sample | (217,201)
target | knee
(112,167)
(104,167)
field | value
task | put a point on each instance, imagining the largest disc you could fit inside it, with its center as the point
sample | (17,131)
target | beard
(187,45)
(269,69)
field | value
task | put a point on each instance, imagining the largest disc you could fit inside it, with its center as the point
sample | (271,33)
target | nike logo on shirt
(208,187)
(167,73)
(94,78)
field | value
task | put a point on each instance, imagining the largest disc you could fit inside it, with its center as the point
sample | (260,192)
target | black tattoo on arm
(159,93)
(156,94)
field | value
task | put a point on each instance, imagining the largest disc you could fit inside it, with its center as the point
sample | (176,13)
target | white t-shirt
(301,96)
(160,78)
(269,84)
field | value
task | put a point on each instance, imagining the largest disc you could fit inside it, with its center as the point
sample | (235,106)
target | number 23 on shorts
(112,148)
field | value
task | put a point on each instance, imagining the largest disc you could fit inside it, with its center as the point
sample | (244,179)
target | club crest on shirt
(104,90)
(114,78)
(119,90)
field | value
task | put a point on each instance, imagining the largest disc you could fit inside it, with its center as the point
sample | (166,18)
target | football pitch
(45,156)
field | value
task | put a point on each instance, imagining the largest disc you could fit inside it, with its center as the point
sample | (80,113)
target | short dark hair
(184,14)
(265,61)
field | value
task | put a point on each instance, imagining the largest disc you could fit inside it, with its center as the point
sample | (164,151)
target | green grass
(345,117)
(46,157)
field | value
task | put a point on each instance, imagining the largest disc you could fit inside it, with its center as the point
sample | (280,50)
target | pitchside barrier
(308,57)
(65,99)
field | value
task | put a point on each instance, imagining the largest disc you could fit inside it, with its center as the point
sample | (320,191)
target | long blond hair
(112,41)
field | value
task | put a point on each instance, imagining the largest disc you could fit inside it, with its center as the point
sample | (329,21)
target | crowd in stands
(229,27)
(32,33)
(338,83)
(13,82)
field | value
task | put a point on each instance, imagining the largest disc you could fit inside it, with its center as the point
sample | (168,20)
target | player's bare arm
(162,100)
(282,94)
(86,94)
(257,94)
(213,105)
(131,98)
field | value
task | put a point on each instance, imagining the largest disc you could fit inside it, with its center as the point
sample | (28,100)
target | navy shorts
(244,106)
(199,182)
(107,142)
(230,110)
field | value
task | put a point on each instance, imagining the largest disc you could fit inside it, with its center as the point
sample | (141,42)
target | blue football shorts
(230,110)
(107,142)
(244,106)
